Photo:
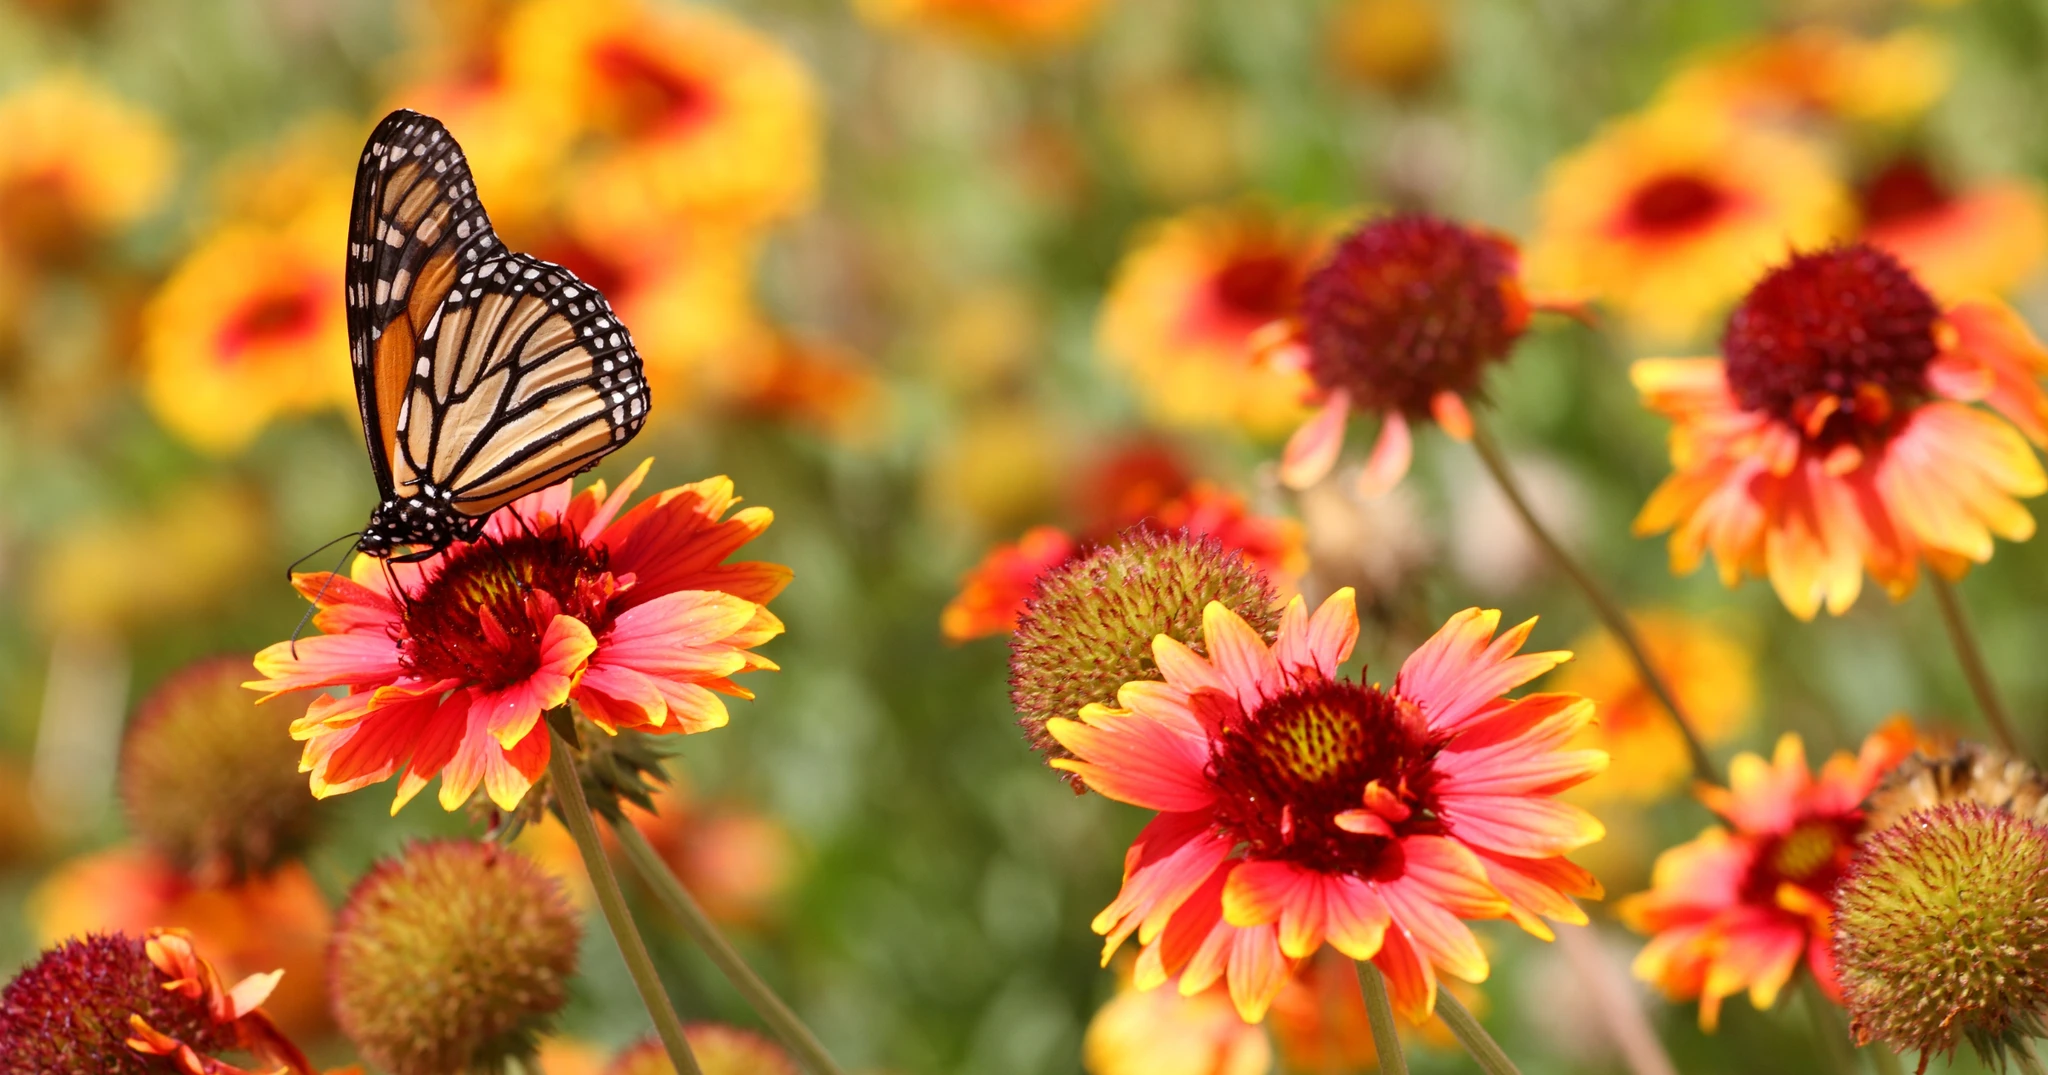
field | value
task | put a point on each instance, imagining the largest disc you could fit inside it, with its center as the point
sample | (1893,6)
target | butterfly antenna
(324,583)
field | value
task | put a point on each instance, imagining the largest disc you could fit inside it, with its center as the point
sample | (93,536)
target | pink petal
(594,528)
(1239,655)
(1175,855)
(1313,449)
(327,661)
(1391,455)
(1524,825)
(513,711)
(1136,759)
(1260,893)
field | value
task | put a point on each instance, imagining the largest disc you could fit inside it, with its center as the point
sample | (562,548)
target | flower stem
(670,891)
(1884,1060)
(1972,659)
(1484,1050)
(1611,614)
(1827,1028)
(568,788)
(1386,1042)
(1628,1025)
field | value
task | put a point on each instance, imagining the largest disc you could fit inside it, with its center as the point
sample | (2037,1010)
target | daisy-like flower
(1668,215)
(1017,24)
(1987,238)
(1187,302)
(1820,70)
(246,329)
(80,164)
(1707,669)
(1739,907)
(450,663)
(1835,434)
(698,116)
(1401,321)
(1297,807)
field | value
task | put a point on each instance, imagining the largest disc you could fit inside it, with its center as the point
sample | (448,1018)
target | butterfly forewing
(481,374)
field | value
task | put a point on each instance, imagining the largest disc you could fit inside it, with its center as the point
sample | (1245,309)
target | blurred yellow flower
(1022,24)
(1160,1032)
(1822,70)
(700,116)
(80,162)
(249,328)
(1398,46)
(1709,671)
(1186,303)
(1987,238)
(1003,468)
(514,141)
(1669,215)
(1183,138)
(107,573)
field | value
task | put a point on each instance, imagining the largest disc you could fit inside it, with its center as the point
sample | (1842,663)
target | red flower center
(1258,286)
(268,319)
(1812,856)
(1285,772)
(650,96)
(1410,306)
(1674,203)
(1836,343)
(482,617)
(1905,189)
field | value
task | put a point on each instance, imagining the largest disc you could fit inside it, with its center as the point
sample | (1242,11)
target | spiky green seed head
(210,779)
(1941,932)
(451,958)
(1088,629)
(720,1050)
(67,1013)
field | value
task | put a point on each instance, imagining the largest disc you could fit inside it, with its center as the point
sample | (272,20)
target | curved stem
(1484,1050)
(1972,659)
(568,789)
(670,891)
(1618,1006)
(1386,1042)
(1884,1060)
(1827,1027)
(1611,614)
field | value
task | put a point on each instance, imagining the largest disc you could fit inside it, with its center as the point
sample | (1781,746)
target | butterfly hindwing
(481,374)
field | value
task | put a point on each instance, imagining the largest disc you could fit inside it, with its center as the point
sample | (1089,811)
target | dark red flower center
(1812,855)
(268,319)
(481,619)
(1837,343)
(68,1011)
(1903,190)
(1258,286)
(1288,771)
(650,95)
(1408,307)
(1674,203)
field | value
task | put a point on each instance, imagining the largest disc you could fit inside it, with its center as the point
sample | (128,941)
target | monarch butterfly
(482,374)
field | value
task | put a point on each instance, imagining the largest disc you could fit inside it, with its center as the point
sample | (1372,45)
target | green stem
(1884,1060)
(568,788)
(1828,1028)
(1385,1040)
(1485,1051)
(670,891)
(1972,659)
(1610,613)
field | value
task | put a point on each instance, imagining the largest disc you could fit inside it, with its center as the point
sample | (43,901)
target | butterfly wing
(415,222)
(529,378)
(481,375)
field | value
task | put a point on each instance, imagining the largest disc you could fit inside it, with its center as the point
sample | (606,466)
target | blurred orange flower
(1669,215)
(699,116)
(719,1050)
(1739,907)
(1836,433)
(246,329)
(1160,1032)
(1186,302)
(1023,24)
(262,923)
(1987,239)
(80,163)
(1707,668)
(993,593)
(1820,70)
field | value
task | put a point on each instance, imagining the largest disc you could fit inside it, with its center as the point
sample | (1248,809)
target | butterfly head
(414,522)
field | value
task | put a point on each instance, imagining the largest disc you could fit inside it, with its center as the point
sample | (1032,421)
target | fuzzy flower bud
(1941,932)
(211,780)
(451,956)
(720,1050)
(1969,772)
(1089,628)
(68,1013)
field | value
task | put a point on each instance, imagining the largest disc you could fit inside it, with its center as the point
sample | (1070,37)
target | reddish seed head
(1672,204)
(482,617)
(67,1013)
(1259,285)
(1904,189)
(1835,342)
(1305,759)
(1410,306)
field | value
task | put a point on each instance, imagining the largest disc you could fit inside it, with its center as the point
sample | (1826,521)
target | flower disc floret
(1408,307)
(68,1012)
(483,617)
(1837,343)
(1941,932)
